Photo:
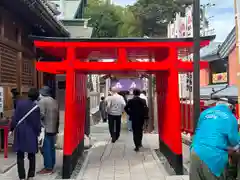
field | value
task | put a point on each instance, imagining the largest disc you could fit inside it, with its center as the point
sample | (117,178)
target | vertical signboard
(189,23)
(1,100)
(177,22)
(182,27)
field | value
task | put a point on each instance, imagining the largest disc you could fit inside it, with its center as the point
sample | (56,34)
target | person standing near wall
(103,109)
(115,109)
(50,120)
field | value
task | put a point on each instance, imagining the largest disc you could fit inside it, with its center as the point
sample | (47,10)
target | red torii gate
(75,54)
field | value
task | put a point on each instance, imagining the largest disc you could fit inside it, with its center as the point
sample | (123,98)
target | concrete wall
(204,77)
(60,93)
(234,67)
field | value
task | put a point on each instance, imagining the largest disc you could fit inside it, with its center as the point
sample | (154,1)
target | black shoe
(113,140)
(136,149)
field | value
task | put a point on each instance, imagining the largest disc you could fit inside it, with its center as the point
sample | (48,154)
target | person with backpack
(26,125)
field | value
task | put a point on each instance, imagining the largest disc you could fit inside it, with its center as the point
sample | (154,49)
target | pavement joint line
(85,163)
(106,145)
(144,166)
(158,162)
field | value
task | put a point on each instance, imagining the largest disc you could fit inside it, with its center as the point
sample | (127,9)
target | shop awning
(230,91)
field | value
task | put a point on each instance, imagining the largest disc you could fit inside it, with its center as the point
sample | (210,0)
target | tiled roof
(228,44)
(51,13)
(210,50)
(221,49)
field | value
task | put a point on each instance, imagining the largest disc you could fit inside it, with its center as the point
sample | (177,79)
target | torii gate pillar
(75,53)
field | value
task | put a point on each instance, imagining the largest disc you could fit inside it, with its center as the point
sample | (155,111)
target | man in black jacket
(136,109)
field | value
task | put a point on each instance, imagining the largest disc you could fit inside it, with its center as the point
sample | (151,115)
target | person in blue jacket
(26,133)
(215,134)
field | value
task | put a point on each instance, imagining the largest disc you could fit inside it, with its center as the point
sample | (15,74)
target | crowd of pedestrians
(34,117)
(137,114)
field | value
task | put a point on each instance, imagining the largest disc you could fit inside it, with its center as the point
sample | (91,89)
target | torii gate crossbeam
(75,54)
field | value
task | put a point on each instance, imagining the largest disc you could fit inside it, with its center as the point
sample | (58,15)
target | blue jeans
(49,151)
(129,124)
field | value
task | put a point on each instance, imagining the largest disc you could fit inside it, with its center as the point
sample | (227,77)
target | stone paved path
(118,161)
(107,161)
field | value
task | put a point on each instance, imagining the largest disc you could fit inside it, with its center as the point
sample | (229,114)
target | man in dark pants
(136,109)
(115,108)
(103,109)
(26,132)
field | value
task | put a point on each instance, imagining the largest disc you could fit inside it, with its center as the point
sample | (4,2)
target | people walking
(115,109)
(136,109)
(216,133)
(103,109)
(26,125)
(143,95)
(50,120)
(129,122)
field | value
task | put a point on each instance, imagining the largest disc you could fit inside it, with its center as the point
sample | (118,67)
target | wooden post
(237,14)
(19,62)
(2,24)
(1,33)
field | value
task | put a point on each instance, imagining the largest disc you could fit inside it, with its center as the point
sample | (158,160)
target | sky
(222,15)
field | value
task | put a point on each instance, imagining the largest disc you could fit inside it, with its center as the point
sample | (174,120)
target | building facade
(224,68)
(18,20)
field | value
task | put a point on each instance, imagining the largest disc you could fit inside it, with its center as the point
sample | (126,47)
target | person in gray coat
(50,120)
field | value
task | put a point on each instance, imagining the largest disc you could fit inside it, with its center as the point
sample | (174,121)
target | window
(218,72)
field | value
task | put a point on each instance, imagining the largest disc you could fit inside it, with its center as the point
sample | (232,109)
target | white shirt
(115,104)
(144,97)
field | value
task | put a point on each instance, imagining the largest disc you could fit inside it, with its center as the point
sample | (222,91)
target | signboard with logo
(1,99)
(127,84)
(219,78)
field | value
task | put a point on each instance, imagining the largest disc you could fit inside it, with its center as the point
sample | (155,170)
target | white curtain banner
(189,21)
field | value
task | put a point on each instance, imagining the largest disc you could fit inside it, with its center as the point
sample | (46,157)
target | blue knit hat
(45,91)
